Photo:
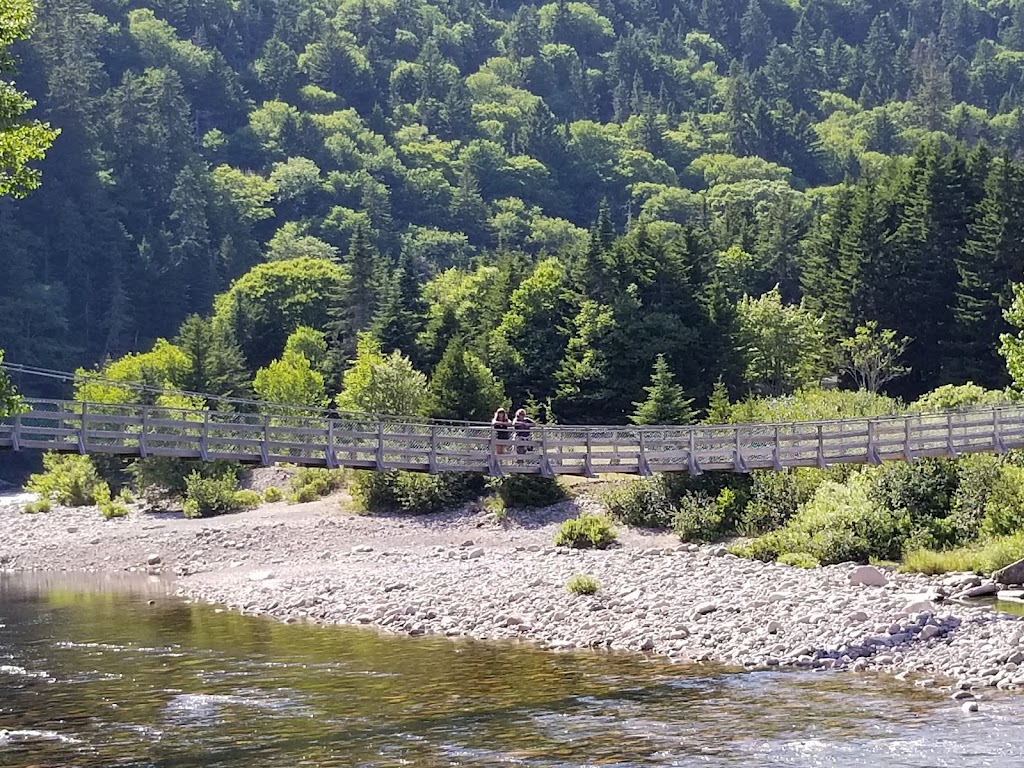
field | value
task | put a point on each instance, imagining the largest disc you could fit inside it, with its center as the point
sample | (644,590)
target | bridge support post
(951,450)
(203,452)
(642,466)
(873,458)
(822,464)
(265,443)
(81,428)
(738,463)
(142,435)
(493,462)
(997,437)
(380,447)
(16,433)
(588,466)
(545,462)
(908,453)
(691,460)
(776,452)
(432,458)
(329,456)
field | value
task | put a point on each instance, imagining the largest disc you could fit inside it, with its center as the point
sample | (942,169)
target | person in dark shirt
(523,424)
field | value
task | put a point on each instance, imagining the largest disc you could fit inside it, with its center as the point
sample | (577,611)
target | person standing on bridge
(523,424)
(502,429)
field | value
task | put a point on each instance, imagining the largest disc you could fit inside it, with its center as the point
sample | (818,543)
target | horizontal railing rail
(359,441)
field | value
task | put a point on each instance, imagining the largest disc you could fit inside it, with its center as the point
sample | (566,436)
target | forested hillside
(561,192)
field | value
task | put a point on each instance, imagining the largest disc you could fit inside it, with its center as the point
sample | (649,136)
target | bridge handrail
(362,441)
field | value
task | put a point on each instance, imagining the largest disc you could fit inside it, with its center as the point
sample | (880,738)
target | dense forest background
(559,192)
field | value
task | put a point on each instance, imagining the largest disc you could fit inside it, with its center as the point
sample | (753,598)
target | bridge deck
(140,431)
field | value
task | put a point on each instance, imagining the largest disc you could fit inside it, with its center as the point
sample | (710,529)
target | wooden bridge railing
(147,430)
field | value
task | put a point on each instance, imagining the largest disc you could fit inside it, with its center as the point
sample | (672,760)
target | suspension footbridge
(382,444)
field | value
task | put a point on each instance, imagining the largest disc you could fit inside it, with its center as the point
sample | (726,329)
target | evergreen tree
(719,408)
(216,364)
(462,387)
(666,401)
(352,303)
(991,261)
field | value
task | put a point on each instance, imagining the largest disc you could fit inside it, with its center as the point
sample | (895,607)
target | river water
(108,671)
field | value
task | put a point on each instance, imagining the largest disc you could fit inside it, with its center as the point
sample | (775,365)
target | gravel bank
(464,574)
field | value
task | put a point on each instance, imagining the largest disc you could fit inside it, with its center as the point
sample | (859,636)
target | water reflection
(100,676)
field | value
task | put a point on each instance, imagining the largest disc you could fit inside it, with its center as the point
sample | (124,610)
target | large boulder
(867,575)
(1011,574)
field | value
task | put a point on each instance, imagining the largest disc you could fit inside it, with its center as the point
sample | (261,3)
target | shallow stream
(109,671)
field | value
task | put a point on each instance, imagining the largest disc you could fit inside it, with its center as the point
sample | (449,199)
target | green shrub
(799,560)
(272,494)
(310,483)
(923,489)
(586,530)
(163,479)
(583,584)
(839,524)
(39,505)
(953,397)
(67,479)
(1004,508)
(109,506)
(976,477)
(414,492)
(528,491)
(642,503)
(305,495)
(776,496)
(247,499)
(207,496)
(699,518)
(495,505)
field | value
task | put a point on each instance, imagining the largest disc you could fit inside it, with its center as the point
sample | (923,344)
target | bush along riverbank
(931,515)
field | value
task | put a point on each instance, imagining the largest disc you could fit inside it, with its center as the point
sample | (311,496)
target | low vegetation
(312,483)
(413,492)
(272,494)
(583,584)
(67,479)
(587,530)
(209,496)
(37,506)
(982,557)
(528,491)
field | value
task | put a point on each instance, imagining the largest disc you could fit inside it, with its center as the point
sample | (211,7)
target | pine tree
(399,316)
(666,401)
(353,303)
(469,212)
(217,366)
(755,35)
(719,408)
(990,262)
(462,387)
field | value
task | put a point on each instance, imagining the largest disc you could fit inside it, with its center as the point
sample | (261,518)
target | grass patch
(583,584)
(37,506)
(799,560)
(981,558)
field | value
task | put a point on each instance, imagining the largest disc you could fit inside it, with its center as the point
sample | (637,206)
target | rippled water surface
(94,674)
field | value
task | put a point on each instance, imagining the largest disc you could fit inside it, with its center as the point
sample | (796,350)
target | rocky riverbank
(465,574)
